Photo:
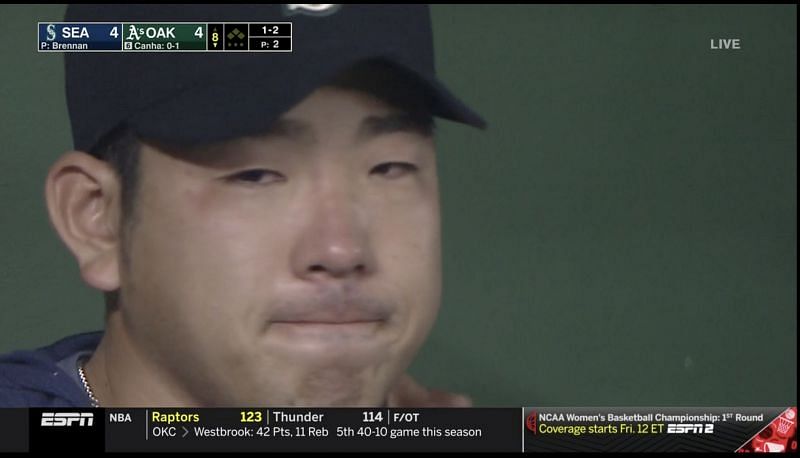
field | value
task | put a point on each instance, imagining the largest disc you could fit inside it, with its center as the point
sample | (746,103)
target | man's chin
(337,387)
(345,357)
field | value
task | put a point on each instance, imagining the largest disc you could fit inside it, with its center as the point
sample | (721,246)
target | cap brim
(243,105)
(448,106)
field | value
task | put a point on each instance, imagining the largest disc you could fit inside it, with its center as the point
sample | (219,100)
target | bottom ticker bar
(532,429)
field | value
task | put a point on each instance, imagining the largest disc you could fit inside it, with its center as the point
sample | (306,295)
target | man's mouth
(332,314)
(331,318)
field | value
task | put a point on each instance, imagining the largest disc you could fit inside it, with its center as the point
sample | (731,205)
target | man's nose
(333,241)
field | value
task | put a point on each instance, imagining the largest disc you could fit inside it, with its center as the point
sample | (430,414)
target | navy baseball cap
(192,98)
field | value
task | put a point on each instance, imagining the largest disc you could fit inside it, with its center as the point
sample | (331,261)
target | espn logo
(67,418)
(688,428)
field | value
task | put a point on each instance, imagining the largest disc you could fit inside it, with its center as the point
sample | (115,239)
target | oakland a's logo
(311,9)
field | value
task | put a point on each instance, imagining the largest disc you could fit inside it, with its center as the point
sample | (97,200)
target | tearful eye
(258,176)
(394,169)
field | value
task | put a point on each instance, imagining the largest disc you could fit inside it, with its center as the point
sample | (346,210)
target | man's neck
(121,375)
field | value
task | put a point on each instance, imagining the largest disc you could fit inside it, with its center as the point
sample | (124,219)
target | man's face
(301,267)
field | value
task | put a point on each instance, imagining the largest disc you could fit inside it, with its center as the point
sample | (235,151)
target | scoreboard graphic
(164,37)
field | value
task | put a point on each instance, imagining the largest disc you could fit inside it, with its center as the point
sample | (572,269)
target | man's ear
(83,200)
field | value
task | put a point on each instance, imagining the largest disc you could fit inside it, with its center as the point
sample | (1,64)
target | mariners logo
(310,9)
(51,32)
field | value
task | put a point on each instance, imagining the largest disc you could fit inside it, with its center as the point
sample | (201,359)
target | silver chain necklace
(87,387)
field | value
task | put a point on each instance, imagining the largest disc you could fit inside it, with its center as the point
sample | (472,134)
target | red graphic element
(778,436)
(530,422)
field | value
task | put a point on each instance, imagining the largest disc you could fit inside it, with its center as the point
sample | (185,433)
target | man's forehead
(302,132)
(369,127)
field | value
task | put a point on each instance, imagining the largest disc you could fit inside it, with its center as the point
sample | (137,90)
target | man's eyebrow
(373,126)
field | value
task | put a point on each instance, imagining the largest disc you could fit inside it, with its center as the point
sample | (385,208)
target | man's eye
(256,176)
(394,169)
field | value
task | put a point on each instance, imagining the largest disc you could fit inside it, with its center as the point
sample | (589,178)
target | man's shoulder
(32,378)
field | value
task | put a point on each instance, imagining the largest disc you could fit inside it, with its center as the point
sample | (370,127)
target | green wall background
(625,233)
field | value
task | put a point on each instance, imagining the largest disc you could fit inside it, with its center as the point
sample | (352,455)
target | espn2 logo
(688,428)
(67,418)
